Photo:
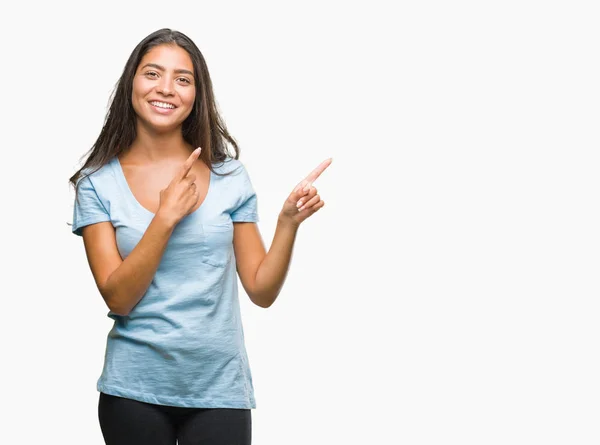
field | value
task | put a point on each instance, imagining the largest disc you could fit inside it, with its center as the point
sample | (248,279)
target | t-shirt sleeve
(246,209)
(88,208)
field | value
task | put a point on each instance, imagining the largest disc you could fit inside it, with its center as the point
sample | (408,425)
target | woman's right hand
(181,195)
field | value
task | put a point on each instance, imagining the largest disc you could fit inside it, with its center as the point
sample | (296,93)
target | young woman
(168,217)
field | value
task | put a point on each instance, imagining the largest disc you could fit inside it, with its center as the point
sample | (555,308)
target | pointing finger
(187,165)
(312,177)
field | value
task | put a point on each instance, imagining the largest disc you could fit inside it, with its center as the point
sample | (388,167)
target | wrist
(164,221)
(287,222)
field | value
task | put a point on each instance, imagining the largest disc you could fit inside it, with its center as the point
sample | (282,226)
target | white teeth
(162,105)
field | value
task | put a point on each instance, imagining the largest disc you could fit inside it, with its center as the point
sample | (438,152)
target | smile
(163,105)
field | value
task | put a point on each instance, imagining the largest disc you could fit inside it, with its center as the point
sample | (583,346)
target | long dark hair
(204,127)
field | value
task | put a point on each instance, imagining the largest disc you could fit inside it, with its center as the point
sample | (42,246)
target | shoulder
(230,166)
(98,183)
(97,176)
(234,169)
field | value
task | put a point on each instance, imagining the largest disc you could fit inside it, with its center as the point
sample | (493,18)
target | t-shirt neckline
(125,185)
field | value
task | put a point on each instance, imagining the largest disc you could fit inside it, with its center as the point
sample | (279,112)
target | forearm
(127,285)
(272,271)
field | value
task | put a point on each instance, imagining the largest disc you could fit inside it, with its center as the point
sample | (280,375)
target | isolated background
(447,292)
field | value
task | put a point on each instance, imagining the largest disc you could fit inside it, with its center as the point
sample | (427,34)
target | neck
(153,146)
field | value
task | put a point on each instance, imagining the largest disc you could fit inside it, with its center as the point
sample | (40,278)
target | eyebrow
(162,68)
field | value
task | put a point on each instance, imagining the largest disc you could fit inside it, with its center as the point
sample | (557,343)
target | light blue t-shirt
(183,343)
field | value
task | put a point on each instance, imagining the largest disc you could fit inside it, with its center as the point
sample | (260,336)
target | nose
(165,86)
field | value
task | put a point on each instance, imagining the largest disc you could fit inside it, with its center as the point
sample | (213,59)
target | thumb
(299,194)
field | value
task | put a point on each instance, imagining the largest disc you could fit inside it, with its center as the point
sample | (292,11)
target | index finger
(187,165)
(312,177)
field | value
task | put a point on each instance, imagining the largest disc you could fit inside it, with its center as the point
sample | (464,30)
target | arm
(122,283)
(263,274)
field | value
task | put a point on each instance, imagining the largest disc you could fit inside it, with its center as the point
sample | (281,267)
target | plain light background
(448,291)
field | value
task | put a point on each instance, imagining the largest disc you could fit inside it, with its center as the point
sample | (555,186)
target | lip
(163,101)
(162,110)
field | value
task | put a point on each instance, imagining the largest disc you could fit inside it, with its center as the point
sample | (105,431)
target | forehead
(172,57)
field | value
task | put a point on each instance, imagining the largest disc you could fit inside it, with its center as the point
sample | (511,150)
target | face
(163,88)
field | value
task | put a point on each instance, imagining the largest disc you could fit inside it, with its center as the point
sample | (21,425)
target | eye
(151,73)
(184,79)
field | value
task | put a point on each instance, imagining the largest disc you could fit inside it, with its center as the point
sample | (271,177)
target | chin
(161,127)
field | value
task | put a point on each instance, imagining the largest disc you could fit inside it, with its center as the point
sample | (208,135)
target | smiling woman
(164,86)
(168,219)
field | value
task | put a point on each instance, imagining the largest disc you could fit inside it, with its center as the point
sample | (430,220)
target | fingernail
(299,203)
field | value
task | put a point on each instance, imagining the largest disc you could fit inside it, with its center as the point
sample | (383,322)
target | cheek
(136,100)
(136,94)
(188,96)
(143,84)
(140,91)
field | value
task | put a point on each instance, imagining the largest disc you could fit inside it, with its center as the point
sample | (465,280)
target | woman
(166,226)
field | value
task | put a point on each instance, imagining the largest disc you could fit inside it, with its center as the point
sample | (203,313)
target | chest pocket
(216,246)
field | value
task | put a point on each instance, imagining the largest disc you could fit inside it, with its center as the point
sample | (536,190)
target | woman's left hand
(304,199)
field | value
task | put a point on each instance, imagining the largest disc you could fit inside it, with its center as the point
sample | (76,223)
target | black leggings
(130,422)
